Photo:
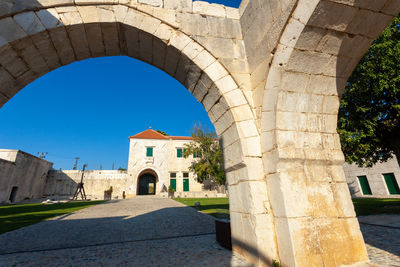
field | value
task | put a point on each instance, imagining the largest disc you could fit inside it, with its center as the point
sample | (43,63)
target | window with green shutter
(179,153)
(172,175)
(366,190)
(185,175)
(149,151)
(391,183)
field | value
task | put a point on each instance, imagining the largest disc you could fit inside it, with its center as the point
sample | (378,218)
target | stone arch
(317,51)
(144,171)
(39,36)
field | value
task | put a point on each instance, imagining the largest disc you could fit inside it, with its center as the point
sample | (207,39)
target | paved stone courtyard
(148,231)
(143,231)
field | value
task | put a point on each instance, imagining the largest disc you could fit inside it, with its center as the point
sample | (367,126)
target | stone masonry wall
(374,176)
(64,183)
(24,171)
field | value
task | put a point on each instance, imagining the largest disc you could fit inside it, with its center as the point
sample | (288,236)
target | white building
(381,180)
(156,162)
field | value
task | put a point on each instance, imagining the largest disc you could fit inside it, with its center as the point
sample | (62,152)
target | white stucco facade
(163,163)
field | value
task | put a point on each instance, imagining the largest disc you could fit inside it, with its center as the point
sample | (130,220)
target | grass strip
(16,216)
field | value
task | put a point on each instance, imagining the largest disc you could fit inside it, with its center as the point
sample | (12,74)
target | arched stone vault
(268,74)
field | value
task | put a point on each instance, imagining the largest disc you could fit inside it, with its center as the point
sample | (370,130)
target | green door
(391,183)
(172,183)
(185,185)
(364,185)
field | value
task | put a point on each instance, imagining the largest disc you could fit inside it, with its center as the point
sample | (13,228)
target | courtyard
(154,231)
(142,231)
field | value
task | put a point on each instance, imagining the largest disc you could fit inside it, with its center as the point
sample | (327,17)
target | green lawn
(370,206)
(219,207)
(16,216)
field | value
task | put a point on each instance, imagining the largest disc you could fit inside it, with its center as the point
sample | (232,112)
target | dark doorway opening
(147,184)
(13,194)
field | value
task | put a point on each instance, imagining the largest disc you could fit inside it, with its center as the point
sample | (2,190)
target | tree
(208,164)
(162,132)
(369,113)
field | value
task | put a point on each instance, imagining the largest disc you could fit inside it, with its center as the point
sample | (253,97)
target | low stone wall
(64,183)
(23,174)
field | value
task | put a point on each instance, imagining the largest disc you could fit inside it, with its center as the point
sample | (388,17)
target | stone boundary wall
(64,183)
(24,171)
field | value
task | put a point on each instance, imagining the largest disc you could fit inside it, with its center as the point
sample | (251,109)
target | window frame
(147,151)
(177,152)
(368,187)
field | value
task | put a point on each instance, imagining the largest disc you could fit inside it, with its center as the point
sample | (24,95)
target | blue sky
(88,109)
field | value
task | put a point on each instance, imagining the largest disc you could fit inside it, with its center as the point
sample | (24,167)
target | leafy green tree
(162,132)
(208,163)
(369,113)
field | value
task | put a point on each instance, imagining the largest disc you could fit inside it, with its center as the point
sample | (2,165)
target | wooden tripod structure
(79,188)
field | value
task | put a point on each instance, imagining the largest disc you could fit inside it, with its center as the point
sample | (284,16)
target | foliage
(171,189)
(162,132)
(216,207)
(276,263)
(16,216)
(121,169)
(369,113)
(208,164)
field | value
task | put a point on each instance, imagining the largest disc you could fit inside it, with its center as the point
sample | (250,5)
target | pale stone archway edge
(316,53)
(43,39)
(227,97)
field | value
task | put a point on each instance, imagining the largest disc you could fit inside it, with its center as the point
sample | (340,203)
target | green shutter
(185,185)
(391,183)
(149,152)
(179,152)
(364,185)
(172,183)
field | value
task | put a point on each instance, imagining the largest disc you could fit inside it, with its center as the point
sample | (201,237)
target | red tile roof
(151,134)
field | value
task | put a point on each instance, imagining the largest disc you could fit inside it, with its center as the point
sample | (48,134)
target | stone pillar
(313,213)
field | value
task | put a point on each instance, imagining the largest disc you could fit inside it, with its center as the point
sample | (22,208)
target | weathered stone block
(10,60)
(49,18)
(10,31)
(179,5)
(26,50)
(209,9)
(156,3)
(29,22)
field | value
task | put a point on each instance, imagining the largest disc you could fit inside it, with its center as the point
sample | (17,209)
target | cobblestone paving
(383,245)
(143,231)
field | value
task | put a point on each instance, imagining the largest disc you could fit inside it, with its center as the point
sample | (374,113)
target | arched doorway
(147,184)
(283,164)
